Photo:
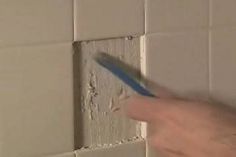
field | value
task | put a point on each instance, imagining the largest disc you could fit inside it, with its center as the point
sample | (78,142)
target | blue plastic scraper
(109,63)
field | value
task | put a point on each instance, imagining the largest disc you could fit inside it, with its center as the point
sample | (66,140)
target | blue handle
(122,75)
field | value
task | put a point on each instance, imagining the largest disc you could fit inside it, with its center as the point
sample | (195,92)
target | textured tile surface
(223,63)
(96,19)
(36,106)
(179,61)
(171,15)
(28,21)
(223,12)
(132,149)
(101,124)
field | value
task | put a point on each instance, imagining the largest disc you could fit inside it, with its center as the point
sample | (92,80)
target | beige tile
(36,100)
(223,12)
(132,149)
(171,15)
(32,21)
(179,61)
(96,19)
(223,63)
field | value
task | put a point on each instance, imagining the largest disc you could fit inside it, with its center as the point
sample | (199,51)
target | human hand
(180,128)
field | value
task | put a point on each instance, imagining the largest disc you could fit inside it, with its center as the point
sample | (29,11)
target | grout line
(109,38)
(61,154)
(210,55)
(145,16)
(143,63)
(107,146)
(74,20)
(210,23)
(210,50)
(35,44)
(178,31)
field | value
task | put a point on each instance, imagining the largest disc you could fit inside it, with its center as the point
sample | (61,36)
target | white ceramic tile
(223,12)
(223,71)
(36,100)
(32,21)
(132,149)
(171,15)
(96,19)
(179,61)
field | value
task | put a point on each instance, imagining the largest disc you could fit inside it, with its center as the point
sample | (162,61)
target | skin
(182,128)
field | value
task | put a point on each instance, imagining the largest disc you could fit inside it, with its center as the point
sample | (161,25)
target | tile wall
(190,49)
(177,45)
(36,67)
(36,82)
(223,51)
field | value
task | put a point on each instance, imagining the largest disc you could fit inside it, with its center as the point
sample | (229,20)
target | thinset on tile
(98,93)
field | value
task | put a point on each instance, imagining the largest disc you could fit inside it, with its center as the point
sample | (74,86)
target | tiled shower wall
(36,97)
(36,71)
(189,48)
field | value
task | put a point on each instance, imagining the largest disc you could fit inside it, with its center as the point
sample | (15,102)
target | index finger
(144,108)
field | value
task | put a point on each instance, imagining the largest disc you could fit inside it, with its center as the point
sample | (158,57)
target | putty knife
(110,64)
